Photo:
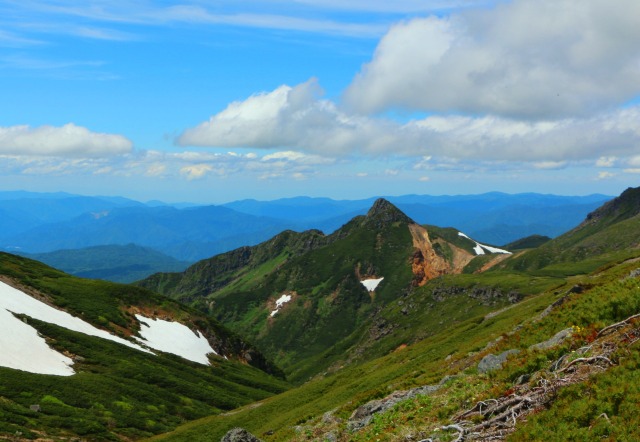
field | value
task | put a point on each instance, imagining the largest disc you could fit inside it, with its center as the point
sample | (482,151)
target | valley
(384,329)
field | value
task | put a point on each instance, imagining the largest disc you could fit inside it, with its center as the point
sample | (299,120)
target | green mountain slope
(300,296)
(118,392)
(613,228)
(115,263)
(556,391)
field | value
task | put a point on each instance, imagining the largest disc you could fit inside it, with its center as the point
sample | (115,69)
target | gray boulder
(239,435)
(557,339)
(492,362)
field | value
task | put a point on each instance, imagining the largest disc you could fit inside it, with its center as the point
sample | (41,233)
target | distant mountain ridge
(303,294)
(40,223)
(613,227)
(127,263)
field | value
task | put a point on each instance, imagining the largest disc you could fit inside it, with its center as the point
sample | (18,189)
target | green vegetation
(117,263)
(578,282)
(118,392)
(455,350)
(530,242)
(343,346)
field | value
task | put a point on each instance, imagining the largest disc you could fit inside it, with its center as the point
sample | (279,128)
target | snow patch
(175,338)
(21,348)
(279,303)
(20,345)
(480,248)
(371,284)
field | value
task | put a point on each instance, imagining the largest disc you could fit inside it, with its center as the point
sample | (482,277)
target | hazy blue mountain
(186,234)
(22,211)
(38,222)
(117,263)
(496,218)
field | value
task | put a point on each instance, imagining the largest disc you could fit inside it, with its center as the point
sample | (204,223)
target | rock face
(557,339)
(492,362)
(426,264)
(239,435)
(383,213)
(363,414)
(623,207)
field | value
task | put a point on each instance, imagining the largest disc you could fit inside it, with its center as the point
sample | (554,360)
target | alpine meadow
(305,221)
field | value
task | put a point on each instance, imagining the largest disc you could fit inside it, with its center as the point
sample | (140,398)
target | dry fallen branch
(586,360)
(458,428)
(617,325)
(499,416)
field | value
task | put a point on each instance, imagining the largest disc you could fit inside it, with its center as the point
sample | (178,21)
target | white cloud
(397,6)
(156,169)
(606,161)
(10,39)
(550,165)
(196,171)
(294,118)
(605,175)
(535,59)
(68,140)
(277,16)
(424,179)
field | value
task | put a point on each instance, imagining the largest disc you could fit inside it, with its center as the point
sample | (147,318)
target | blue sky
(215,101)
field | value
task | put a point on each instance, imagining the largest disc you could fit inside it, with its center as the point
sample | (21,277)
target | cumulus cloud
(528,59)
(606,161)
(295,119)
(196,171)
(289,117)
(605,175)
(68,140)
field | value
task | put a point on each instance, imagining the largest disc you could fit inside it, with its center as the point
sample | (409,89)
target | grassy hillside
(573,412)
(327,311)
(126,263)
(327,308)
(577,386)
(118,392)
(613,228)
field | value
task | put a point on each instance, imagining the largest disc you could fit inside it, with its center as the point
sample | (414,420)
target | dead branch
(458,428)
(586,360)
(498,419)
(477,409)
(617,325)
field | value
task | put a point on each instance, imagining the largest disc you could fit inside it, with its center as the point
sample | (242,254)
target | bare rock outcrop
(239,435)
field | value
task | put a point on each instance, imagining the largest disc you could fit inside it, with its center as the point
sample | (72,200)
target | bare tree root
(495,419)
(586,360)
(617,325)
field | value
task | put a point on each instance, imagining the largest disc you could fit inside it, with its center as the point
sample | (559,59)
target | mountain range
(384,328)
(39,223)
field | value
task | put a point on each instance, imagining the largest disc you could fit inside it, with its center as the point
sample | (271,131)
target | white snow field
(33,354)
(480,248)
(175,338)
(22,348)
(371,284)
(280,302)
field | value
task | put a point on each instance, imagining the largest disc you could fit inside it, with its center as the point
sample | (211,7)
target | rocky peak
(618,209)
(383,213)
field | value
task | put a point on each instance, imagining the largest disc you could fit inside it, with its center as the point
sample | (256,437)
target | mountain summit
(314,293)
(383,213)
